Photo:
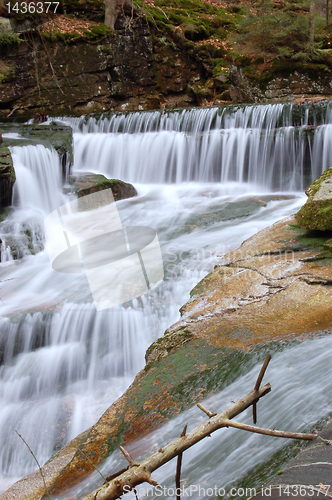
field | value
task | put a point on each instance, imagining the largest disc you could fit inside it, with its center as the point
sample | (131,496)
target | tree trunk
(312,22)
(327,12)
(114,7)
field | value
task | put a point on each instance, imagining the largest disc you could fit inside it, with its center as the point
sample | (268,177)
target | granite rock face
(316,214)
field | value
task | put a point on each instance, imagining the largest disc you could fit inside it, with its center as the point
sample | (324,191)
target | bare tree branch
(271,432)
(178,469)
(130,459)
(262,372)
(257,386)
(142,473)
(208,412)
(127,479)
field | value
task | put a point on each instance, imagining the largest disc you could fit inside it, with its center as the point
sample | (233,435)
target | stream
(62,363)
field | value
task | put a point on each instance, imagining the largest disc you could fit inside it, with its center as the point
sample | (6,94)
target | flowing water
(216,465)
(62,362)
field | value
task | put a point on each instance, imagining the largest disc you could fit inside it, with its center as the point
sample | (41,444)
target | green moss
(314,187)
(316,213)
(165,344)
(9,38)
(55,135)
(220,67)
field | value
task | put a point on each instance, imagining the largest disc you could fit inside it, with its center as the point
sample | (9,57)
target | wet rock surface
(55,135)
(307,475)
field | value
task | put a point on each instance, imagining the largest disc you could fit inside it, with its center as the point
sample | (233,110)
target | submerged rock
(316,213)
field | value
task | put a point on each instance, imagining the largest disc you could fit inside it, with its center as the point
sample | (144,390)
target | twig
(325,441)
(40,470)
(50,63)
(142,473)
(93,465)
(130,459)
(13,111)
(131,478)
(270,432)
(257,386)
(178,469)
(208,412)
(254,412)
(162,11)
(262,372)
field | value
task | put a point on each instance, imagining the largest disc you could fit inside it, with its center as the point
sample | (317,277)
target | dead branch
(178,469)
(257,385)
(208,412)
(130,459)
(10,114)
(271,432)
(141,472)
(262,372)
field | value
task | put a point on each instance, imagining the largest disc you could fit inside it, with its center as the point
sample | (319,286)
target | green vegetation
(5,70)
(7,38)
(95,34)
(262,37)
(271,31)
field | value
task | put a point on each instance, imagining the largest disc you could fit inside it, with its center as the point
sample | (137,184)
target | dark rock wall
(130,70)
(7,177)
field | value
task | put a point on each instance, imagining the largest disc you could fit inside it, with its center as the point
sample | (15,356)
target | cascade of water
(61,362)
(255,144)
(37,191)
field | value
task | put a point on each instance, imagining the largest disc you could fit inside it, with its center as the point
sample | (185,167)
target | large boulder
(316,213)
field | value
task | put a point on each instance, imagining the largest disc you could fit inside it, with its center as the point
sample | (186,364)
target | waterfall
(268,146)
(62,363)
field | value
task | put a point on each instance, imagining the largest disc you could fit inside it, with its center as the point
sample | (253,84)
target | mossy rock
(7,177)
(164,345)
(92,183)
(316,214)
(328,244)
(55,135)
